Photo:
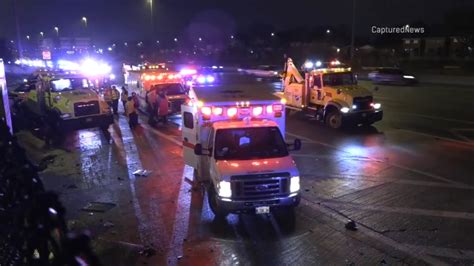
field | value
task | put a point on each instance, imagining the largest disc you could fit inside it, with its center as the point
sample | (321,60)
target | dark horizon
(129,19)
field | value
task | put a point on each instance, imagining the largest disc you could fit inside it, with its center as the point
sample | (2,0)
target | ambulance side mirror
(296,145)
(198,149)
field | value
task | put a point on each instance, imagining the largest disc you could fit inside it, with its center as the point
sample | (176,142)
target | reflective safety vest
(130,107)
(115,94)
(108,95)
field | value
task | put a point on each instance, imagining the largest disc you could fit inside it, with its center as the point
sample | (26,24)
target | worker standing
(131,113)
(163,107)
(124,99)
(115,99)
(153,106)
(108,96)
(136,102)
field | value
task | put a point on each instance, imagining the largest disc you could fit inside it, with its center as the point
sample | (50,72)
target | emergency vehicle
(144,79)
(67,101)
(234,140)
(329,94)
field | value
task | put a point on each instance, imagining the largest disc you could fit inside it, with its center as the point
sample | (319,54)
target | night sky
(130,19)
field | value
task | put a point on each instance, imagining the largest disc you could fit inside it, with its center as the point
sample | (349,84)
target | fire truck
(144,79)
(330,94)
(234,140)
(67,101)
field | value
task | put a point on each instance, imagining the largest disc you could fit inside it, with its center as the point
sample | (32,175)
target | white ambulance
(234,140)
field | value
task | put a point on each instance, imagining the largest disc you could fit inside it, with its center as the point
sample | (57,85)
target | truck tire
(219,213)
(334,119)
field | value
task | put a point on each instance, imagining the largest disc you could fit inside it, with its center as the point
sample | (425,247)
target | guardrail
(33,230)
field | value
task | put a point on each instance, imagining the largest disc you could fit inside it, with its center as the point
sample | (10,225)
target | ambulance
(144,79)
(234,140)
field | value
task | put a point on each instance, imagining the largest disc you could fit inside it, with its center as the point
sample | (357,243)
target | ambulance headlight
(345,110)
(294,184)
(224,189)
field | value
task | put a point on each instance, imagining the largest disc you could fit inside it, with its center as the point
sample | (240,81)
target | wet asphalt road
(407,182)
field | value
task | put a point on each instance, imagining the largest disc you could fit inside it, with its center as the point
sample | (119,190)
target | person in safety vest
(115,95)
(163,107)
(124,99)
(131,113)
(108,96)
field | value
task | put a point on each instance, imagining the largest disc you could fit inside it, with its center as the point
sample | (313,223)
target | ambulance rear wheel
(334,119)
(219,213)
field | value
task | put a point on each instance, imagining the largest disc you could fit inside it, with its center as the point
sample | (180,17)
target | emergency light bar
(241,109)
(148,77)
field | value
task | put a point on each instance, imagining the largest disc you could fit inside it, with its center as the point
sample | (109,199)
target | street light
(272,34)
(28,37)
(232,36)
(42,34)
(200,39)
(328,31)
(56,29)
(150,2)
(176,39)
(84,19)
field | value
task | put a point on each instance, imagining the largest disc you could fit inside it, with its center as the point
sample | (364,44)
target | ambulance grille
(86,108)
(260,186)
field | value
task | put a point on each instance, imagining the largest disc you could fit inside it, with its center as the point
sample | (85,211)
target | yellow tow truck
(330,94)
(66,101)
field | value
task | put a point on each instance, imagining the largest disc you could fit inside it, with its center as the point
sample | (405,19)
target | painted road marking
(466,143)
(436,118)
(401,210)
(461,254)
(415,253)
(391,164)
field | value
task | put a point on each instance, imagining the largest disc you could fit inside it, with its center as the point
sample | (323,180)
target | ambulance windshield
(249,143)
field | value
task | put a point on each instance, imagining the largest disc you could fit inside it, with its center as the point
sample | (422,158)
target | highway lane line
(389,163)
(400,210)
(413,252)
(466,143)
(388,180)
(435,117)
(454,253)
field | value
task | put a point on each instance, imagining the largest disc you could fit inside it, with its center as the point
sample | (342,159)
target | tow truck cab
(331,94)
(239,149)
(67,101)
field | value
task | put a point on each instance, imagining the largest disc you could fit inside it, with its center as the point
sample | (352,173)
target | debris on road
(351,225)
(148,252)
(108,224)
(142,172)
(98,206)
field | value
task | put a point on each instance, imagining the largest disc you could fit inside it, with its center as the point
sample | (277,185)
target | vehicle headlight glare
(377,106)
(294,184)
(224,189)
(345,109)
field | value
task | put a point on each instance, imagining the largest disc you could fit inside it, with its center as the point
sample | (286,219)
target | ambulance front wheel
(213,200)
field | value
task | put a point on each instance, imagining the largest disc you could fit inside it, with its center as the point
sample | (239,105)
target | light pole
(84,19)
(56,29)
(42,34)
(353,31)
(150,3)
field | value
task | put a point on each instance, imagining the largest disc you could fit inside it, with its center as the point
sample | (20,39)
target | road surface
(407,182)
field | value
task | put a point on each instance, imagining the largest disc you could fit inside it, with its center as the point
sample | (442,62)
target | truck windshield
(249,143)
(67,84)
(338,79)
